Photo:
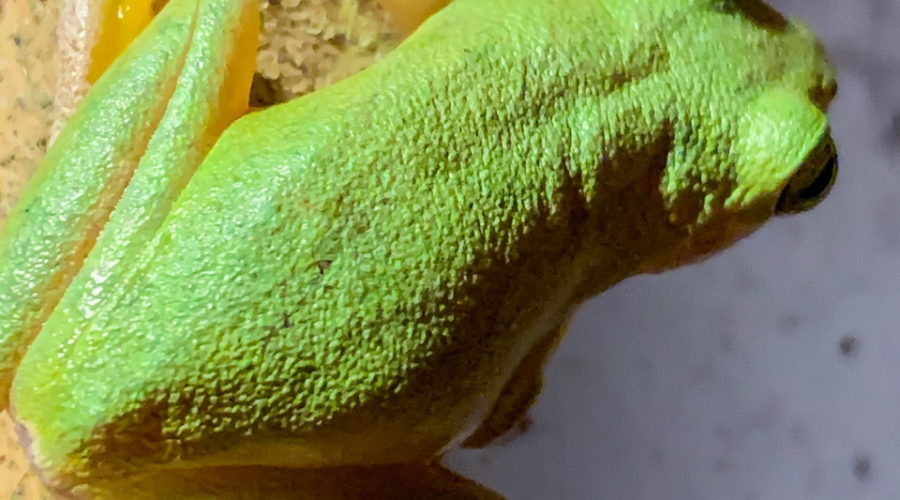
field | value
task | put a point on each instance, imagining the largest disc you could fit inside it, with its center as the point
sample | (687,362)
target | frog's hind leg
(519,393)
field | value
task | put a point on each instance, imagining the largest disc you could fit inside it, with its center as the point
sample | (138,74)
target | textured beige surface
(27,79)
(75,35)
(12,461)
(310,44)
(28,72)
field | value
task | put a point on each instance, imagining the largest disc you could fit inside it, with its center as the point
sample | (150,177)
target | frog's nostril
(808,187)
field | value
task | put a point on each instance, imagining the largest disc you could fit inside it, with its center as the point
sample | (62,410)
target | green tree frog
(374,273)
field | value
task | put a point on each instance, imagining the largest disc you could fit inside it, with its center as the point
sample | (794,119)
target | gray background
(769,372)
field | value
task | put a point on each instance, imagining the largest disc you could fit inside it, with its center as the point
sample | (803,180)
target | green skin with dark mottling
(355,276)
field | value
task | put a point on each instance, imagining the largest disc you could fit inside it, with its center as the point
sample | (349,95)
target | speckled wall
(771,372)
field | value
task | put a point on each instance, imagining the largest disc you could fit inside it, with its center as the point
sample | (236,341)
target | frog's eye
(812,182)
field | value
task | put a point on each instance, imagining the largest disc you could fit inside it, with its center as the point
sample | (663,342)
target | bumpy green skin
(352,277)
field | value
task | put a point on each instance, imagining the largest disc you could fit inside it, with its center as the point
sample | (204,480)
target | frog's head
(750,138)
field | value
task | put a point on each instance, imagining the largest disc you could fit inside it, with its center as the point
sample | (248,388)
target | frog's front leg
(519,393)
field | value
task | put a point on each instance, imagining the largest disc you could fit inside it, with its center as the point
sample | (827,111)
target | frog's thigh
(519,393)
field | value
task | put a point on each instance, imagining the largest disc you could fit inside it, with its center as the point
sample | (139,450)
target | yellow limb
(234,100)
(409,14)
(123,21)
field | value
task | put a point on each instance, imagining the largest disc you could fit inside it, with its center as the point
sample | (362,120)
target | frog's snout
(812,182)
